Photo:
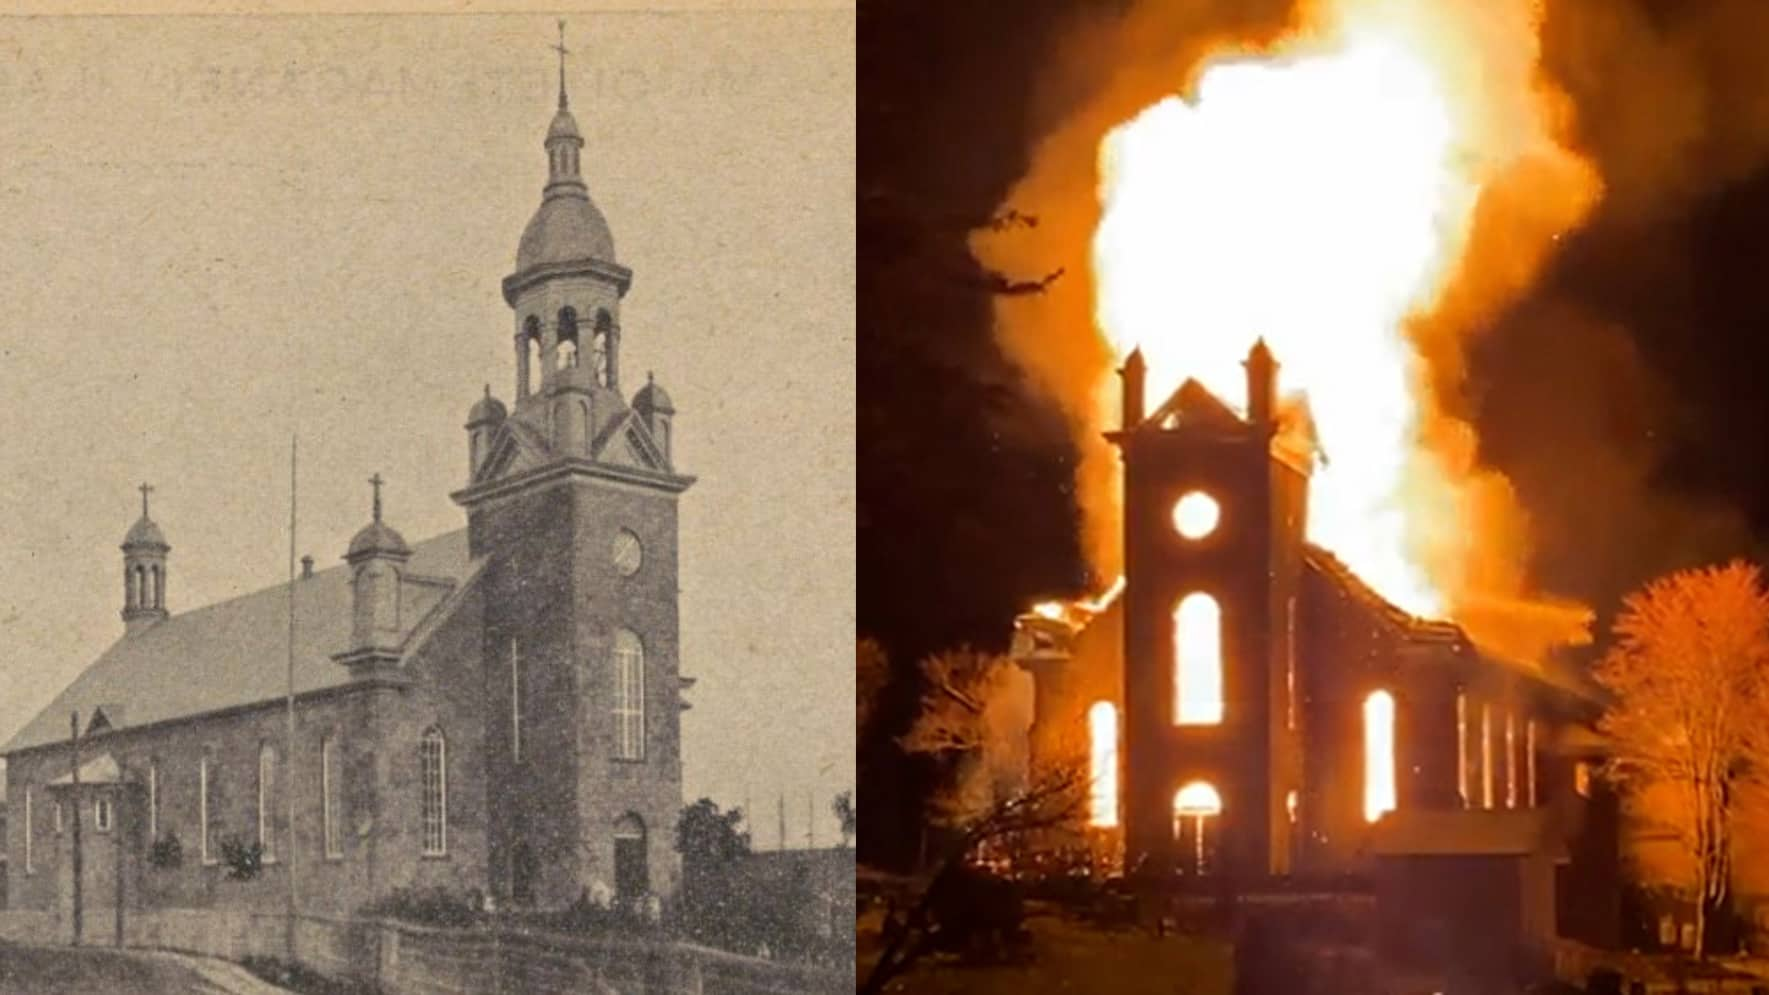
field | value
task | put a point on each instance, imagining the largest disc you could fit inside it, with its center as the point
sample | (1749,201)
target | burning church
(1250,708)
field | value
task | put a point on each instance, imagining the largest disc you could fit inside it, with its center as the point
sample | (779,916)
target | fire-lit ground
(1071,957)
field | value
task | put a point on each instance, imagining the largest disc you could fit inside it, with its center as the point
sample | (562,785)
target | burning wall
(1361,182)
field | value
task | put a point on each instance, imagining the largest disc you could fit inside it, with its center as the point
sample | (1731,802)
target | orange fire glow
(1363,193)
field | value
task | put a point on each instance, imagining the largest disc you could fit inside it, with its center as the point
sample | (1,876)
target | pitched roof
(235,652)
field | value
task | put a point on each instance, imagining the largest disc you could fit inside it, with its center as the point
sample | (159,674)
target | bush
(166,852)
(434,906)
(243,862)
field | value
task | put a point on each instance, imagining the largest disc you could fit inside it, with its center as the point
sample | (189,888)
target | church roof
(235,652)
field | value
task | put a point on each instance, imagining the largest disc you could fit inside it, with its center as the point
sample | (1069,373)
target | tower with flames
(1213,519)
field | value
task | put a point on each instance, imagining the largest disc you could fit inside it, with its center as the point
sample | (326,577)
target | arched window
(601,346)
(153,800)
(1462,746)
(1510,758)
(159,586)
(515,700)
(531,354)
(1529,752)
(267,801)
(1379,788)
(328,797)
(629,696)
(1197,661)
(1486,755)
(566,353)
(632,878)
(1102,736)
(132,587)
(433,757)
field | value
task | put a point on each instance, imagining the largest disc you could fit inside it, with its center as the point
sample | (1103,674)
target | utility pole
(782,837)
(288,784)
(74,793)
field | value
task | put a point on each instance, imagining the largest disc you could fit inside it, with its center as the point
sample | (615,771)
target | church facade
(1249,709)
(493,710)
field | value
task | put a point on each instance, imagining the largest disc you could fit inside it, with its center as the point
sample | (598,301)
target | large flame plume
(1364,191)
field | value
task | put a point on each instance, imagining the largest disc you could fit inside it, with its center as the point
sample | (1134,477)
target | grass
(1071,957)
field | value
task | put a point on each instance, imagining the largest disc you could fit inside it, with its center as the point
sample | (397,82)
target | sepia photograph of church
(474,687)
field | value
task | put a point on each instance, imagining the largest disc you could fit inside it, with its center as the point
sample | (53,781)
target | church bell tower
(1213,518)
(571,506)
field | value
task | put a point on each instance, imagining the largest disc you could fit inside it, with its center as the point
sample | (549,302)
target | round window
(627,553)
(1196,515)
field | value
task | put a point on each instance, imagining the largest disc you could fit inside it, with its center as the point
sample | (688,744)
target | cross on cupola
(563,52)
(145,490)
(376,482)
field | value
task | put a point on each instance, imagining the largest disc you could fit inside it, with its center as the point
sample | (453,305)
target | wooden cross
(376,482)
(563,52)
(145,490)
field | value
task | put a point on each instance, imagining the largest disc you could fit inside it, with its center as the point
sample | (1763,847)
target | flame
(1363,193)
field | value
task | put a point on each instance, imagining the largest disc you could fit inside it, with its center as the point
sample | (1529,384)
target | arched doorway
(1197,810)
(631,876)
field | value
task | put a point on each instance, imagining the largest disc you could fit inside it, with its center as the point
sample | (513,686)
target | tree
(1689,720)
(1053,798)
(973,713)
(713,846)
(847,813)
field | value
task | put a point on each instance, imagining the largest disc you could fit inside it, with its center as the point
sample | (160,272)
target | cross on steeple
(145,490)
(563,52)
(376,482)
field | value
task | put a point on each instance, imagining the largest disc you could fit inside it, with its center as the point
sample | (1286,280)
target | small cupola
(144,570)
(653,406)
(377,559)
(483,420)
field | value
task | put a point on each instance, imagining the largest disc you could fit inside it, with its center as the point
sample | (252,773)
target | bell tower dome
(144,571)
(567,287)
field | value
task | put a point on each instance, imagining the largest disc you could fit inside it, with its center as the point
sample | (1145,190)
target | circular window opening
(1196,515)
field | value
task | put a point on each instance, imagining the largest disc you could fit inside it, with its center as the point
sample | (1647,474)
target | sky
(216,233)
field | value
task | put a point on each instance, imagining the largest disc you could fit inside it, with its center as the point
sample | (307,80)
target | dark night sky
(1620,396)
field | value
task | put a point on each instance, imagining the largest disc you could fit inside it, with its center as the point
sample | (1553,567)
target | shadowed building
(496,709)
(1250,709)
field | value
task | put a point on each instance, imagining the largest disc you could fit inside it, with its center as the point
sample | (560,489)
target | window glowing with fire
(1197,661)
(1378,755)
(1102,784)
(1195,515)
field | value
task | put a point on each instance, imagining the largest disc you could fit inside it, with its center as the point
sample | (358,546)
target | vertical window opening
(1102,734)
(433,754)
(328,797)
(629,698)
(1379,782)
(1197,645)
